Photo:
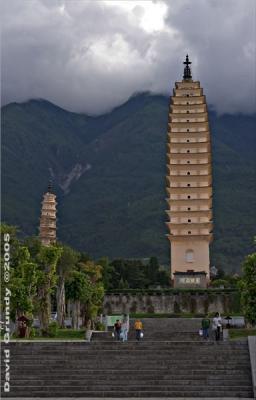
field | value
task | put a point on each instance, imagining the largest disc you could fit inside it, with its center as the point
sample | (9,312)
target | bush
(32,332)
(248,289)
(210,290)
(99,326)
(53,328)
(220,283)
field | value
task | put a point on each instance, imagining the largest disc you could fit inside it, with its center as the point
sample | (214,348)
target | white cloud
(89,56)
(150,15)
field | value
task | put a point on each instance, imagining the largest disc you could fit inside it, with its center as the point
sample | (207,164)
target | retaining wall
(194,302)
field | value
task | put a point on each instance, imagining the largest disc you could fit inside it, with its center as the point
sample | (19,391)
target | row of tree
(59,277)
(42,276)
(134,274)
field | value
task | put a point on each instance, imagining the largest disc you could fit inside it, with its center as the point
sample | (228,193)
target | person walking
(216,325)
(205,327)
(125,329)
(117,329)
(138,328)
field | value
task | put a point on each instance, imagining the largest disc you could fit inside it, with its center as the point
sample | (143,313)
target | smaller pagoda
(47,229)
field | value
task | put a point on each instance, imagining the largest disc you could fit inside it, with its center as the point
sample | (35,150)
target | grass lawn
(70,334)
(62,334)
(240,333)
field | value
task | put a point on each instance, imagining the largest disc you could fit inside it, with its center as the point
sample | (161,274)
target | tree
(33,243)
(248,288)
(153,268)
(47,259)
(118,270)
(17,272)
(220,274)
(163,278)
(92,298)
(10,231)
(77,285)
(37,271)
(123,284)
(23,285)
(85,288)
(107,272)
(66,263)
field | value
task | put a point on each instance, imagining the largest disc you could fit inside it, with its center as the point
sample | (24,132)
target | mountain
(109,176)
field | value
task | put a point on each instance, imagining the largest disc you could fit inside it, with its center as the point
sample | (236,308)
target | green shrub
(220,282)
(53,328)
(32,332)
(99,326)
(210,290)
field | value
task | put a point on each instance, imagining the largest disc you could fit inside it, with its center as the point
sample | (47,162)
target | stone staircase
(174,329)
(133,369)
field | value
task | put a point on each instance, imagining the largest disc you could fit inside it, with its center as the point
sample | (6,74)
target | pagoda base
(190,254)
(190,279)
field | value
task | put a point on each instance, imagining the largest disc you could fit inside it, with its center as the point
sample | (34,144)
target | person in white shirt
(216,325)
(125,328)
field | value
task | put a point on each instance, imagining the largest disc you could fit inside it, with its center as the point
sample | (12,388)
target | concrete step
(146,369)
(129,362)
(47,344)
(143,374)
(169,324)
(134,346)
(107,336)
(119,352)
(118,387)
(124,349)
(78,381)
(180,393)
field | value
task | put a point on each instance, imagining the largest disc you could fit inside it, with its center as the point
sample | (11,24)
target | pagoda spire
(187,70)
(50,188)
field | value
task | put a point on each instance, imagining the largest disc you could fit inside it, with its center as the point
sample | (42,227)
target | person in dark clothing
(117,329)
(205,327)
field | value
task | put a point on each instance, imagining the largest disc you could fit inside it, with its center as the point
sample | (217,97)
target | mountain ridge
(116,206)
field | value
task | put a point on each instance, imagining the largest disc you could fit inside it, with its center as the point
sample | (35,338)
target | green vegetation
(225,280)
(128,275)
(85,290)
(36,273)
(46,259)
(64,334)
(248,289)
(240,333)
(171,290)
(66,264)
(117,206)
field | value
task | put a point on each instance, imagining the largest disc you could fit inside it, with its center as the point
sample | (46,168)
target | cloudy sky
(92,55)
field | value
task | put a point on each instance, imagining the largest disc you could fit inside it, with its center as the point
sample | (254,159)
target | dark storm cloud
(90,56)
(220,36)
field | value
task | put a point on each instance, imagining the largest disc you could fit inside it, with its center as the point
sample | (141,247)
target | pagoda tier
(189,178)
(47,229)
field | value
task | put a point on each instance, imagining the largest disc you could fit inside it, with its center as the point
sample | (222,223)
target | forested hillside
(109,175)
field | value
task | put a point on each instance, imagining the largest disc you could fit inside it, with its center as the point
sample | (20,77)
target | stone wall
(173,303)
